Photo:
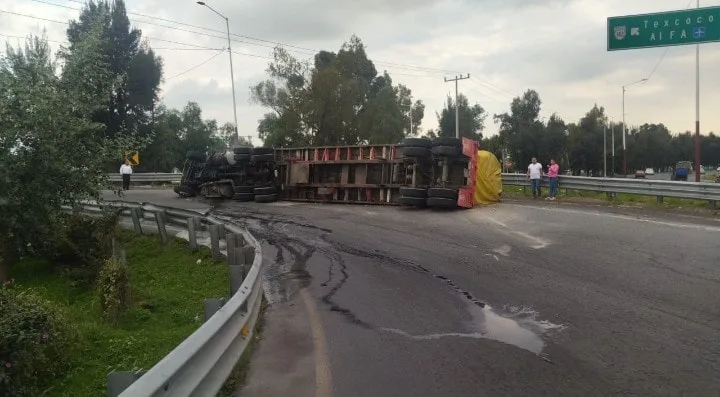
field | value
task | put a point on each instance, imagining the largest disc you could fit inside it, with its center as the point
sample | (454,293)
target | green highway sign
(662,29)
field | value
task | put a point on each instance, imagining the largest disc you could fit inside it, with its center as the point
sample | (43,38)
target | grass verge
(168,289)
(592,197)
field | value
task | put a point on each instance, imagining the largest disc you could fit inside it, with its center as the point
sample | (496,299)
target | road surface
(516,299)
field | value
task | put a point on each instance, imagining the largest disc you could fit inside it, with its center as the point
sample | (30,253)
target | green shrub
(34,340)
(113,288)
(83,244)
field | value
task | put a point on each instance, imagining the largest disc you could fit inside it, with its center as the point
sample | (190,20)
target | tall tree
(339,99)
(585,141)
(520,130)
(51,150)
(135,72)
(472,118)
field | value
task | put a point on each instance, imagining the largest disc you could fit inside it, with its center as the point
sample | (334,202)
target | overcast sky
(557,47)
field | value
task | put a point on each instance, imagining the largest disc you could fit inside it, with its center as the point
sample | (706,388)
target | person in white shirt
(126,171)
(534,173)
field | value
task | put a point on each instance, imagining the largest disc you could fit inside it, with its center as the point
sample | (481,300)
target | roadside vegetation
(592,197)
(62,332)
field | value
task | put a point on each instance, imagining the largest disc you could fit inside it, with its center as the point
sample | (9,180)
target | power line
(657,65)
(299,49)
(196,66)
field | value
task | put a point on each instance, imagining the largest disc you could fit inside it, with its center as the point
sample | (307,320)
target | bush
(113,287)
(34,340)
(83,244)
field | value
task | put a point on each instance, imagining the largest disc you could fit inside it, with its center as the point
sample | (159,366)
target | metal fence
(201,364)
(647,187)
(148,177)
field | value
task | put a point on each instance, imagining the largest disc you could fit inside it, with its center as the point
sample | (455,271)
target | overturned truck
(417,172)
(243,174)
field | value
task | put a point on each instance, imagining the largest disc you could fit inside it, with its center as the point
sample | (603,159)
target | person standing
(126,171)
(534,173)
(553,173)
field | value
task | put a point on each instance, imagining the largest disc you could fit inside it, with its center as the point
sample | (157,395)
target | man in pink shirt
(552,173)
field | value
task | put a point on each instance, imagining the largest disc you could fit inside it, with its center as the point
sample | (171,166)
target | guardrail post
(118,381)
(712,204)
(192,224)
(660,199)
(162,230)
(233,241)
(215,242)
(211,306)
(249,255)
(136,214)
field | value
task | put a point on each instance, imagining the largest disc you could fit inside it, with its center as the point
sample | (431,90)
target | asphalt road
(517,299)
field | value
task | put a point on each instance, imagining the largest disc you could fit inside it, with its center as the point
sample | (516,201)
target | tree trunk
(6,258)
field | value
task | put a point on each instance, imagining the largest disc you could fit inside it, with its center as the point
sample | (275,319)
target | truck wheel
(412,201)
(414,151)
(263,150)
(264,191)
(416,142)
(259,158)
(413,192)
(244,189)
(440,192)
(194,155)
(446,151)
(243,150)
(242,158)
(439,202)
(268,198)
(245,197)
(447,141)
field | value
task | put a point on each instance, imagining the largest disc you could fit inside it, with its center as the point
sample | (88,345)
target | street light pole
(605,151)
(232,76)
(624,128)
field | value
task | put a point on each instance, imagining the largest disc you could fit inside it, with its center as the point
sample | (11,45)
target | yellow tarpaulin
(488,186)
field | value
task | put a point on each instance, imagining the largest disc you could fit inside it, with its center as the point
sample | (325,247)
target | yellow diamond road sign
(133,157)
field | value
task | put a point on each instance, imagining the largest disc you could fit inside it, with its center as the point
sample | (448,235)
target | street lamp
(623,123)
(232,77)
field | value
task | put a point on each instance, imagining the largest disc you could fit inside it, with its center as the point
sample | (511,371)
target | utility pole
(232,77)
(624,129)
(697,110)
(605,151)
(612,131)
(457,107)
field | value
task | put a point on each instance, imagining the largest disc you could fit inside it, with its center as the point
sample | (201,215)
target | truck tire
(446,151)
(415,151)
(440,192)
(268,198)
(245,197)
(194,155)
(447,141)
(242,158)
(439,202)
(416,142)
(263,150)
(264,191)
(413,192)
(243,150)
(412,201)
(244,189)
(259,158)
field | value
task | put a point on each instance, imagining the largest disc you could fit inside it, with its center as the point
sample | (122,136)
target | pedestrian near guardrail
(534,173)
(126,171)
(552,174)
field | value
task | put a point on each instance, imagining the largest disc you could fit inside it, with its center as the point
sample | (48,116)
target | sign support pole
(698,147)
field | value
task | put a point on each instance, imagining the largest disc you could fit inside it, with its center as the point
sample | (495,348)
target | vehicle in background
(649,171)
(640,174)
(681,171)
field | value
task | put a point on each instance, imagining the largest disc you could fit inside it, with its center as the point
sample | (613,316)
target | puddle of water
(520,329)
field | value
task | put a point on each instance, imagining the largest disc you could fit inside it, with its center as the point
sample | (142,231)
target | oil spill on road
(296,244)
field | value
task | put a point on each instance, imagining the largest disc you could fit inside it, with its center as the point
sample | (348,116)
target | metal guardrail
(148,177)
(647,187)
(200,365)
